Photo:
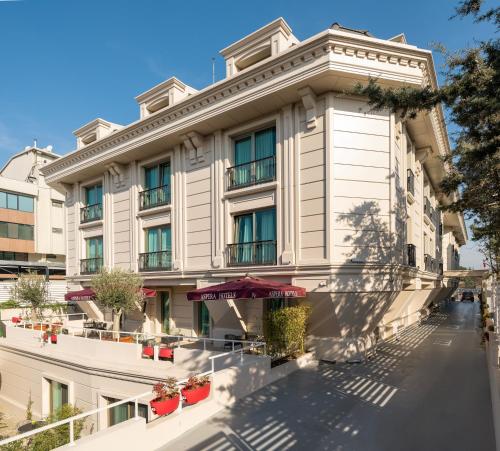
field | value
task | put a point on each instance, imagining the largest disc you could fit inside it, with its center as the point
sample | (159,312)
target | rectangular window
(124,412)
(58,395)
(254,159)
(57,230)
(158,239)
(26,204)
(157,176)
(93,195)
(13,230)
(254,238)
(26,232)
(12,201)
(4,230)
(94,247)
(203,319)
(165,312)
(57,203)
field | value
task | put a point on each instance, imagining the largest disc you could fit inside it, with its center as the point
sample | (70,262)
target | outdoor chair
(228,345)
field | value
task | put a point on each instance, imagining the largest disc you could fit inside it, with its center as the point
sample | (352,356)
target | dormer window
(162,96)
(158,105)
(267,41)
(93,131)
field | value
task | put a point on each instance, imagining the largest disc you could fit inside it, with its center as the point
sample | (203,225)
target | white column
(287,194)
(134,208)
(217,175)
(329,175)
(178,206)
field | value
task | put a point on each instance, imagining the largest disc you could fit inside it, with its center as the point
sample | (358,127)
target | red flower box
(53,339)
(164,407)
(166,353)
(16,319)
(196,395)
(148,351)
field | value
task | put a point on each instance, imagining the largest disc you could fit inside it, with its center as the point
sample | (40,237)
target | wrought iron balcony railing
(410,181)
(252,173)
(254,253)
(91,213)
(155,261)
(91,265)
(154,197)
(411,255)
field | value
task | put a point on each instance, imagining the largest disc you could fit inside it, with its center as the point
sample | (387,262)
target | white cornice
(241,88)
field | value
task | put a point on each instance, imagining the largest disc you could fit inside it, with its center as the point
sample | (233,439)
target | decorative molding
(326,43)
(309,101)
(422,154)
(193,142)
(118,174)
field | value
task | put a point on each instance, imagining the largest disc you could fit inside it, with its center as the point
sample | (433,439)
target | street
(429,390)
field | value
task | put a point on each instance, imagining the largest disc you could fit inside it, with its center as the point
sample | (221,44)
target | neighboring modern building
(276,172)
(31,221)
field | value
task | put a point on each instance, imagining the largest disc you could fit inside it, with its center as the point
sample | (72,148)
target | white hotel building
(272,171)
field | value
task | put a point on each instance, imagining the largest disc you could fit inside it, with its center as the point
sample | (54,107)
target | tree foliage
(31,289)
(470,94)
(118,290)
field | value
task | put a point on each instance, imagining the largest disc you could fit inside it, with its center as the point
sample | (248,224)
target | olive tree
(119,290)
(31,289)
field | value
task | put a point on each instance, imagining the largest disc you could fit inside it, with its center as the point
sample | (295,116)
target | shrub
(196,382)
(166,390)
(285,330)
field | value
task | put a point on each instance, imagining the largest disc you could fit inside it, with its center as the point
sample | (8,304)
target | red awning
(87,294)
(247,288)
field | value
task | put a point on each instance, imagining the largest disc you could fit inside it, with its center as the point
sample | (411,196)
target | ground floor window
(165,311)
(124,412)
(203,319)
(276,304)
(58,395)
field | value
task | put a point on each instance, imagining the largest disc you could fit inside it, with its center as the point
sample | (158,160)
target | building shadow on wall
(364,286)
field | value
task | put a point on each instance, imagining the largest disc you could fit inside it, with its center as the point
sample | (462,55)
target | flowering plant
(196,382)
(166,390)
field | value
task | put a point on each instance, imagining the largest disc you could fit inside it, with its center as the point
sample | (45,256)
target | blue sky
(66,62)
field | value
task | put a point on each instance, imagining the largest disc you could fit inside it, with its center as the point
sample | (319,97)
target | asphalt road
(427,391)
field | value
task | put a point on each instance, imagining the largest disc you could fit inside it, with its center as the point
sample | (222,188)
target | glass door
(203,320)
(165,311)
(58,395)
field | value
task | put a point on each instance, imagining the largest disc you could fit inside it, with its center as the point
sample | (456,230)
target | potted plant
(167,397)
(196,389)
(166,353)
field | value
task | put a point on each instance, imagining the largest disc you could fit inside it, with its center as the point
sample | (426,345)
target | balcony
(410,182)
(154,197)
(253,253)
(411,255)
(155,261)
(90,213)
(91,265)
(252,173)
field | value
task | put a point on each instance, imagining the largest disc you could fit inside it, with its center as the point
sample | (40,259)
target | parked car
(467,296)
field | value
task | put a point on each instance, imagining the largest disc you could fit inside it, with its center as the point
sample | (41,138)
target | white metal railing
(98,334)
(135,399)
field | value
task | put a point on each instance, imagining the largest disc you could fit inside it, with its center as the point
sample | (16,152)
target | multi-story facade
(31,220)
(275,172)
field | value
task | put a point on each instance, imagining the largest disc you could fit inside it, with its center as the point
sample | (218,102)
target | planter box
(196,395)
(166,353)
(165,407)
(148,351)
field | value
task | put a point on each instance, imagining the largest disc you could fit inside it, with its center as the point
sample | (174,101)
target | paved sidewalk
(428,391)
